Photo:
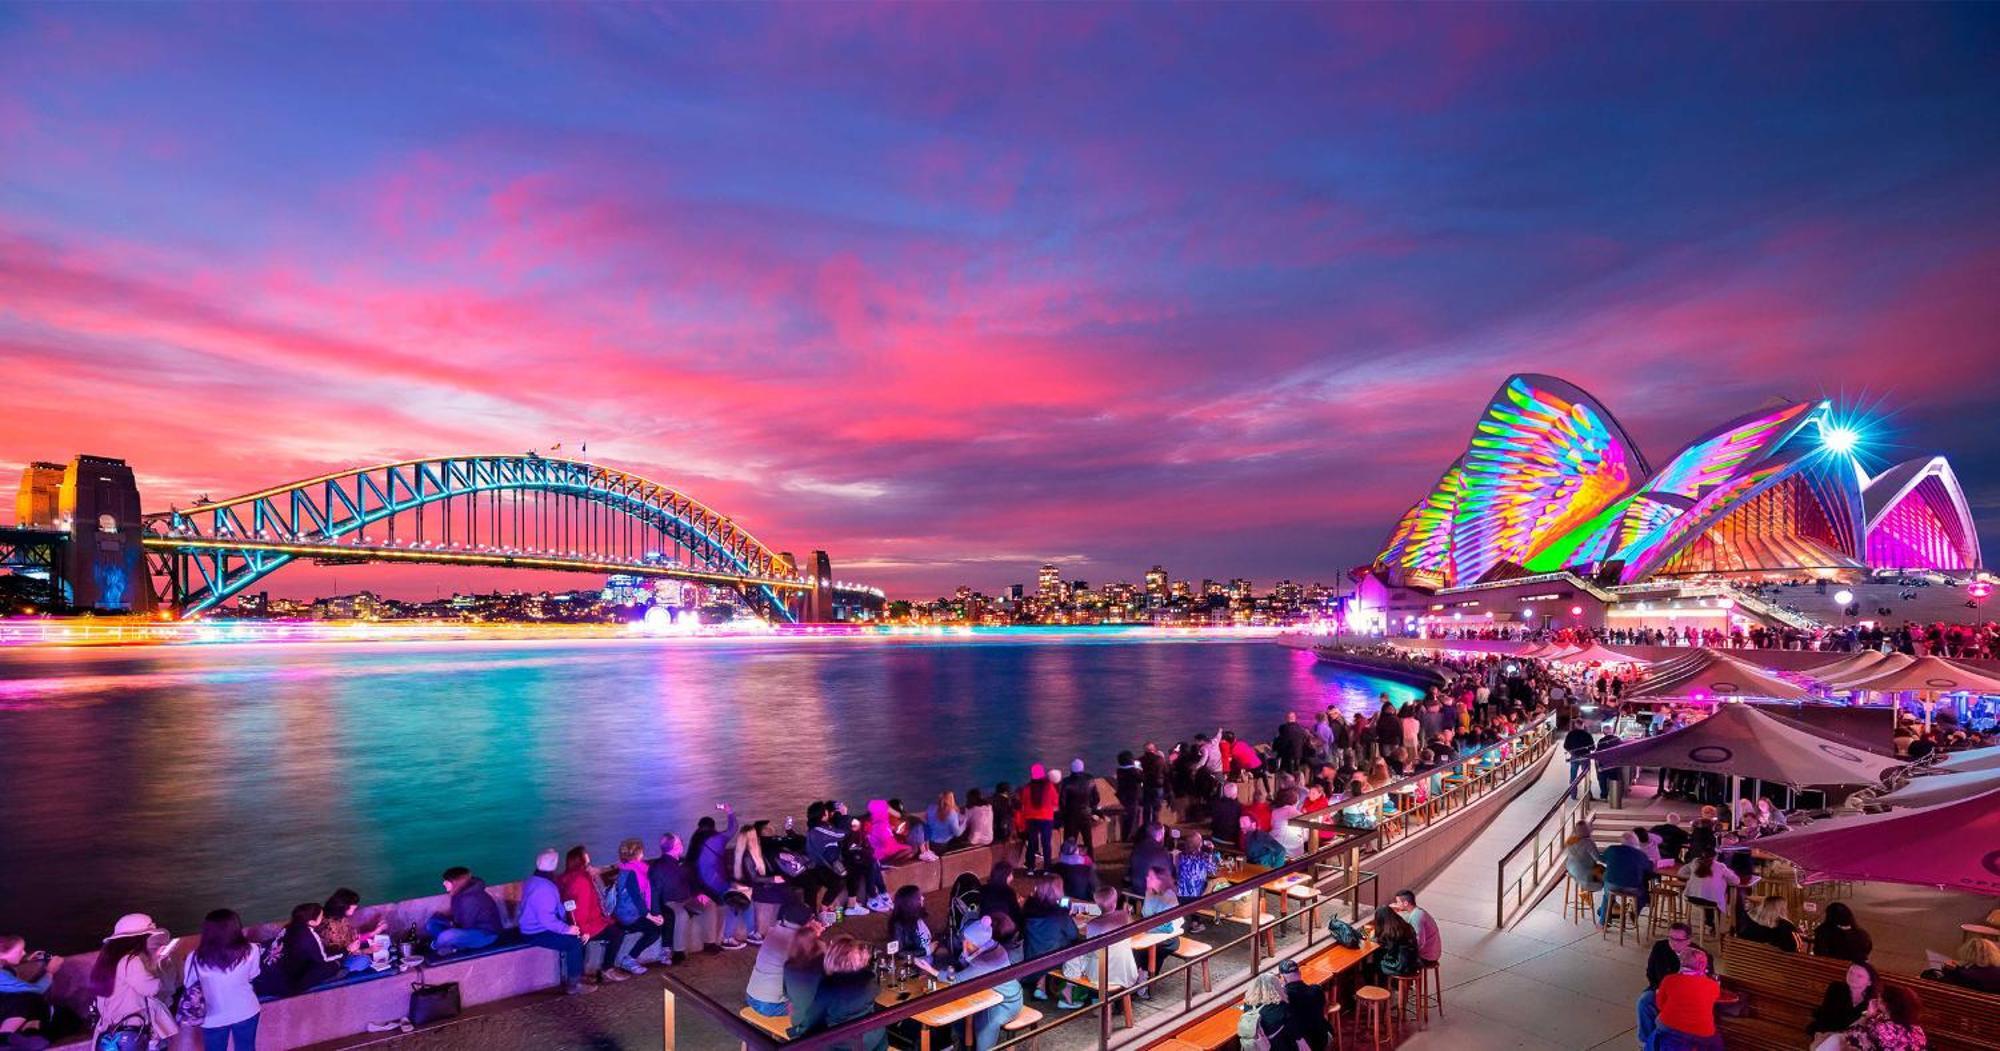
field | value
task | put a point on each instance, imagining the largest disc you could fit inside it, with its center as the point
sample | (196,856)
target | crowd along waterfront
(179,778)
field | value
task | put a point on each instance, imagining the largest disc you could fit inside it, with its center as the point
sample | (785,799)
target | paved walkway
(1547,983)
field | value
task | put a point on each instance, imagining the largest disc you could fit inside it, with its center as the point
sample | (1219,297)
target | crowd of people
(785,890)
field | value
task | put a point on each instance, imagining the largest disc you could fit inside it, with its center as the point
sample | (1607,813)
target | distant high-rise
(1048,583)
(1156,586)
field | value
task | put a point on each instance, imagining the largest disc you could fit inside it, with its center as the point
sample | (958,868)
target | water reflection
(259,776)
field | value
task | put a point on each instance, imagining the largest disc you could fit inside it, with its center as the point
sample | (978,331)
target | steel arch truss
(212,551)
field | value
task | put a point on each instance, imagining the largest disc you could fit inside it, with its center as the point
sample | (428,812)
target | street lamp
(1843,597)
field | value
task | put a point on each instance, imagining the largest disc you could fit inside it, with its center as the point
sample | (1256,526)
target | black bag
(1344,934)
(134,1032)
(433,1003)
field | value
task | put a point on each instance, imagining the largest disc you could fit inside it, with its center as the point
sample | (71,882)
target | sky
(954,290)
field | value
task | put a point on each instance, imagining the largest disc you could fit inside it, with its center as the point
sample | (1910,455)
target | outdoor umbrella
(1714,676)
(1971,759)
(1741,740)
(1851,664)
(1948,846)
(1597,653)
(1846,680)
(1930,675)
(1933,789)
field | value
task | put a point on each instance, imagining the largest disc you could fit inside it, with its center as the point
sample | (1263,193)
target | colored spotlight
(1839,439)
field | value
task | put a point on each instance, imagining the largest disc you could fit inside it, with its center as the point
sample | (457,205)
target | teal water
(173,780)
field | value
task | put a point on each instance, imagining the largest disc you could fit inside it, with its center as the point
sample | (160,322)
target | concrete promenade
(1547,983)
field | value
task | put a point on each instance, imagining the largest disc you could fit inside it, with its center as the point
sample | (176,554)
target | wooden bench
(779,1026)
(1783,988)
(1117,992)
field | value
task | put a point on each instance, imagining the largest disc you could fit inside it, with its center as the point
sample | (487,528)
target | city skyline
(955,292)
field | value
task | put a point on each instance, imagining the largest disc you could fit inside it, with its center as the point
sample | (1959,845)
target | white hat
(547,860)
(979,932)
(1076,766)
(1055,777)
(133,924)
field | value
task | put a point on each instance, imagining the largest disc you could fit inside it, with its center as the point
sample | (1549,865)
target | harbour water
(175,779)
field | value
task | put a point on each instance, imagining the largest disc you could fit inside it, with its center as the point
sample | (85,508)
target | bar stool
(1333,1023)
(1624,905)
(1025,1018)
(1372,1004)
(1668,907)
(1433,987)
(1409,1002)
(1578,900)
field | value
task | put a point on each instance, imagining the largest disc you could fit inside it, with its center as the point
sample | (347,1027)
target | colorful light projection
(1544,460)
(1546,484)
(1918,518)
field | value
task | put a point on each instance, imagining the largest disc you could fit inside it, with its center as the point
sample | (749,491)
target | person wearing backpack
(223,968)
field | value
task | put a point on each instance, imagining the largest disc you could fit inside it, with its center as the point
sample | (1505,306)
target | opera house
(1554,516)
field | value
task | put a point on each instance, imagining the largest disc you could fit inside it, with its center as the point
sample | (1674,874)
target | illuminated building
(39,503)
(1156,586)
(1550,482)
(1048,583)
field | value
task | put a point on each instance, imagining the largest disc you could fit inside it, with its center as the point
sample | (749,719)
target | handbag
(432,1003)
(191,1003)
(134,1032)
(1344,934)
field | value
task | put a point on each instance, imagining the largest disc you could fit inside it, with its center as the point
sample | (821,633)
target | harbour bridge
(524,511)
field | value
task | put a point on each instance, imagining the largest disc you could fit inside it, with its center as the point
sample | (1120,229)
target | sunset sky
(953,290)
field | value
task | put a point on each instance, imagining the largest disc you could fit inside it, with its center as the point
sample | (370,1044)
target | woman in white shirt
(1708,883)
(225,963)
(978,819)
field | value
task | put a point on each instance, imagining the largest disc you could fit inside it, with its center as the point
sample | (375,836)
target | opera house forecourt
(1554,517)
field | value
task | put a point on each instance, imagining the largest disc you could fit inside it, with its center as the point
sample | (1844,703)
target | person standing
(125,981)
(1080,800)
(1039,799)
(546,923)
(1128,784)
(226,965)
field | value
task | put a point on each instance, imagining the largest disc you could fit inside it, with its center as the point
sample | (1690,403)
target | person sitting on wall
(472,918)
(25,978)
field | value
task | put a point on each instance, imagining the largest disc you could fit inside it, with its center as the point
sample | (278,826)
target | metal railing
(1543,847)
(1333,870)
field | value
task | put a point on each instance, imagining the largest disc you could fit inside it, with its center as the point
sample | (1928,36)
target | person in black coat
(1305,1005)
(1149,855)
(1844,1002)
(1047,927)
(996,895)
(1665,959)
(303,959)
(1128,784)
(1226,817)
(1839,937)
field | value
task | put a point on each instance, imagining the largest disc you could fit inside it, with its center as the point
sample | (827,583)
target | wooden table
(1332,963)
(959,1010)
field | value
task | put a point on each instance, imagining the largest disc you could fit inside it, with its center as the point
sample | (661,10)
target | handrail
(1348,870)
(1578,788)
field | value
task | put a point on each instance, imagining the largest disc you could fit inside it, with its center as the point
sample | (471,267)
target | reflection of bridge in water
(515,512)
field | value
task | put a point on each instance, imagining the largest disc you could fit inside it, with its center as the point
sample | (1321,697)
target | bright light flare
(1840,439)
